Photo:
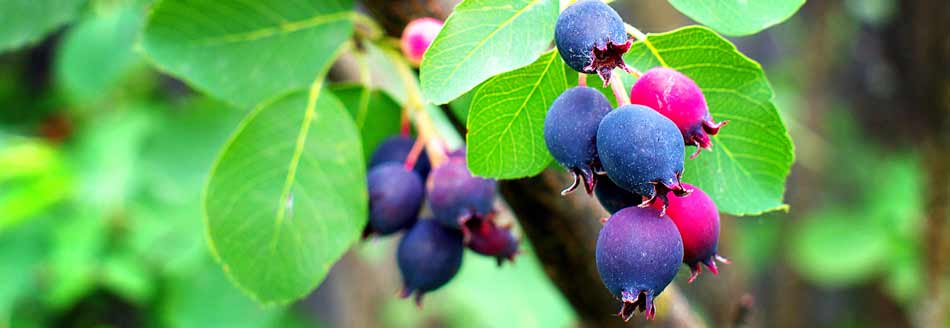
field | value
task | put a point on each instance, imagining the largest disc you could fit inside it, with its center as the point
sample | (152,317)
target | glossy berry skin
(613,198)
(697,219)
(429,255)
(486,237)
(591,38)
(417,37)
(677,97)
(641,152)
(638,254)
(570,132)
(395,197)
(455,196)
(396,149)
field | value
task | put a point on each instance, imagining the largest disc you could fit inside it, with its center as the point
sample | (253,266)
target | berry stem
(635,32)
(620,92)
(415,106)
(366,27)
(413,155)
(581,79)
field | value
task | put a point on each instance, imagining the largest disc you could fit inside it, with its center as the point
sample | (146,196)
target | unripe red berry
(697,219)
(678,98)
(417,37)
(488,238)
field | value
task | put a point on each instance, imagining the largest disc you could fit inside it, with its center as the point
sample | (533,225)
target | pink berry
(697,219)
(678,98)
(417,37)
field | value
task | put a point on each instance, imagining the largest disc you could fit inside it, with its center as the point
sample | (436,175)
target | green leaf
(287,195)
(376,115)
(506,120)
(751,158)
(738,17)
(246,51)
(27,21)
(483,38)
(97,52)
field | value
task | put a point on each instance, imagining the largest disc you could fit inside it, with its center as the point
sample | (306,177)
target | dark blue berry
(613,198)
(638,254)
(455,196)
(395,149)
(428,257)
(591,38)
(570,132)
(642,152)
(395,197)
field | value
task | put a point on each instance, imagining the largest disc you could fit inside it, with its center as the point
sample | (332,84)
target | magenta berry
(455,196)
(641,152)
(697,220)
(429,255)
(396,149)
(570,132)
(417,37)
(395,197)
(488,238)
(678,98)
(613,198)
(638,254)
(591,38)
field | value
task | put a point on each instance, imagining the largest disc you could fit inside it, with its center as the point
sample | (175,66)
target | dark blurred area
(103,158)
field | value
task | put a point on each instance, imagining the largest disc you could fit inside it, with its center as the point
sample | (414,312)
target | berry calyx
(395,197)
(677,97)
(570,133)
(590,37)
(455,196)
(642,152)
(488,238)
(429,255)
(638,254)
(697,219)
(417,37)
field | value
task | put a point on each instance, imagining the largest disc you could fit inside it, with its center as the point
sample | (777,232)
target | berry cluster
(632,158)
(462,206)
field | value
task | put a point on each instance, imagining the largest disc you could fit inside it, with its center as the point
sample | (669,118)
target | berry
(396,149)
(570,132)
(428,257)
(455,196)
(697,220)
(395,197)
(638,255)
(591,38)
(641,152)
(488,238)
(678,98)
(417,37)
(613,198)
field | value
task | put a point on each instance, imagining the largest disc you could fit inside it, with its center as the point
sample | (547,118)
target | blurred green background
(103,158)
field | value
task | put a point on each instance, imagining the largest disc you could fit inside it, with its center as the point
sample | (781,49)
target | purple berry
(488,238)
(417,37)
(697,219)
(396,149)
(591,38)
(642,152)
(638,254)
(455,196)
(428,257)
(678,98)
(570,132)
(613,198)
(395,197)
